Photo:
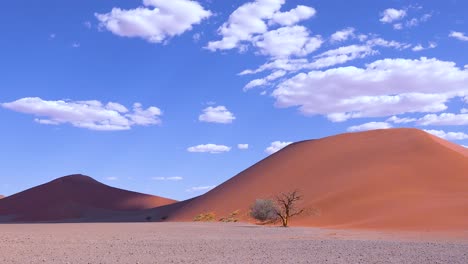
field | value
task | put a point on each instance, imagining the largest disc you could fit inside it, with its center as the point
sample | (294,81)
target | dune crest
(74,197)
(382,179)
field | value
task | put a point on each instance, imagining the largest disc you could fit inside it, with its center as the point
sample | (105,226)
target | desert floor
(221,243)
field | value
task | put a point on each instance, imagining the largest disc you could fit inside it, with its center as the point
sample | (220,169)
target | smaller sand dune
(74,197)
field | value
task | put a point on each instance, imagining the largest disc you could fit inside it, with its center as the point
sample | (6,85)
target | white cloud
(264,81)
(209,148)
(218,114)
(383,88)
(388,43)
(244,22)
(293,16)
(444,119)
(251,22)
(112,178)
(464,146)
(391,14)
(398,120)
(342,35)
(287,41)
(420,47)
(76,45)
(326,59)
(464,110)
(448,135)
(176,178)
(369,126)
(276,146)
(243,146)
(458,35)
(156,21)
(92,115)
(200,188)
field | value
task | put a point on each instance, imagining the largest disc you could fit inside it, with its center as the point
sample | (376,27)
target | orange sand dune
(383,179)
(73,197)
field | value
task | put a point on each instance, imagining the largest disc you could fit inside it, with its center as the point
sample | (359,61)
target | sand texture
(395,179)
(382,179)
(216,243)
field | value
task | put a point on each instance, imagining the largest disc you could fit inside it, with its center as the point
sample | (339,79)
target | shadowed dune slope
(383,179)
(74,197)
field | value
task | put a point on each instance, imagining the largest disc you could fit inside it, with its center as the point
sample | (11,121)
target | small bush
(148,218)
(232,217)
(264,210)
(205,217)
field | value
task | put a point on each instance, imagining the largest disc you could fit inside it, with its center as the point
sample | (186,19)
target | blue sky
(174,97)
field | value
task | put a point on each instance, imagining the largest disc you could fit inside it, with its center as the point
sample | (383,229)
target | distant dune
(382,179)
(1,196)
(74,197)
(403,179)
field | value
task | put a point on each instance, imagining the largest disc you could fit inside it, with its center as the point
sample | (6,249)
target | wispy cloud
(175,178)
(200,188)
(209,148)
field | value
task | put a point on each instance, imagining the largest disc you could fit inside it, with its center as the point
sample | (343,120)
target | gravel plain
(221,243)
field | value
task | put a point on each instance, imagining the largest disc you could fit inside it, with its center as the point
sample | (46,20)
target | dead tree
(287,206)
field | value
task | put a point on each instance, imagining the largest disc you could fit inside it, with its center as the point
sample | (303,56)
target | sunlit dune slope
(383,179)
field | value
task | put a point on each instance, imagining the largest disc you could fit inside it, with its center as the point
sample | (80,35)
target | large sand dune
(385,179)
(74,197)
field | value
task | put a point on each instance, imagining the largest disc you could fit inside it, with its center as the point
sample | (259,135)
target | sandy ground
(220,243)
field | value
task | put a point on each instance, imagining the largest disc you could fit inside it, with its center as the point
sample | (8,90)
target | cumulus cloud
(369,126)
(448,135)
(218,114)
(251,24)
(398,120)
(342,35)
(391,14)
(458,35)
(92,115)
(383,88)
(276,146)
(293,16)
(444,119)
(243,146)
(200,188)
(209,148)
(155,21)
(287,41)
(175,178)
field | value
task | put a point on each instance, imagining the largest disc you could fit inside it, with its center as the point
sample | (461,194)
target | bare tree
(287,206)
